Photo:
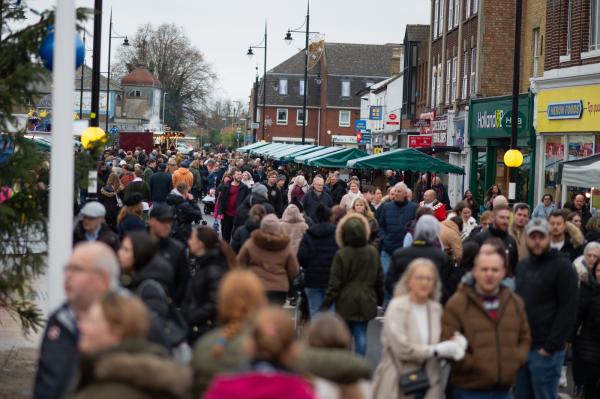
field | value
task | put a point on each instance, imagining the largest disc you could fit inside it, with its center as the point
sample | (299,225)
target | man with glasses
(316,196)
(92,271)
(92,227)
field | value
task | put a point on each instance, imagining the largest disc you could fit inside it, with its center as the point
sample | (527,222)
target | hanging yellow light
(91,135)
(513,158)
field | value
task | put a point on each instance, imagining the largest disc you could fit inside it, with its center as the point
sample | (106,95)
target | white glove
(460,340)
(447,349)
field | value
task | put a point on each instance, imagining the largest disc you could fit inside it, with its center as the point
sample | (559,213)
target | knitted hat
(259,189)
(270,224)
(93,209)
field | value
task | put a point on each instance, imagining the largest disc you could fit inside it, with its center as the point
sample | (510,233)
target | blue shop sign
(360,124)
(565,110)
(375,112)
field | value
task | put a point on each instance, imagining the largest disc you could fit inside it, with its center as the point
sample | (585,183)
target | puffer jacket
(497,348)
(243,210)
(271,258)
(105,235)
(586,345)
(356,281)
(316,252)
(394,218)
(242,233)
(186,213)
(133,370)
(159,270)
(292,223)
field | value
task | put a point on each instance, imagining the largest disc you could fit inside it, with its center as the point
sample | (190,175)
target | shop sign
(565,110)
(422,123)
(492,118)
(420,141)
(439,129)
(375,112)
(559,112)
(360,124)
(392,119)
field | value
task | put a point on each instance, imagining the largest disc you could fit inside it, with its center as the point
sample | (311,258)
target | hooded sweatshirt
(293,224)
(183,175)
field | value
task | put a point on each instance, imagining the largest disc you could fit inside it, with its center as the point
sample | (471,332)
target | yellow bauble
(91,135)
(513,158)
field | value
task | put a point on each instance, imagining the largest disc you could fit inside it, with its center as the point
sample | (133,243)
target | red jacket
(257,385)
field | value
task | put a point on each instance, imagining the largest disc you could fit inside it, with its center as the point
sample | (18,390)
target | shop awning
(584,172)
(324,151)
(291,156)
(263,149)
(297,148)
(338,159)
(406,159)
(249,147)
(278,150)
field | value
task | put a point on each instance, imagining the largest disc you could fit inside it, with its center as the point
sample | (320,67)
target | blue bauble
(47,50)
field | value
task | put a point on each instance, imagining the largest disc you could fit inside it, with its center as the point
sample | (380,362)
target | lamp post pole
(94,113)
(515,98)
(255,105)
(305,73)
(250,53)
(125,43)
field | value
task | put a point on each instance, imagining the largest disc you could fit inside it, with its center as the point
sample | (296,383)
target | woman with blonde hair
(293,224)
(353,193)
(296,191)
(247,179)
(241,295)
(411,337)
(361,205)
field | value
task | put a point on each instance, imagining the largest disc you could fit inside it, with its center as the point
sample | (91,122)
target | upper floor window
(282,116)
(465,78)
(299,114)
(439,84)
(475,6)
(344,119)
(454,77)
(448,80)
(537,51)
(134,93)
(436,15)
(595,25)
(301,87)
(283,87)
(456,12)
(450,14)
(473,70)
(433,86)
(467,9)
(345,88)
(569,27)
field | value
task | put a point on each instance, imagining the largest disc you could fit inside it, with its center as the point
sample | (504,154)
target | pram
(209,202)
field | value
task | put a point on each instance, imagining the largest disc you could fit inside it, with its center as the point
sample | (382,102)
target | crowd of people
(490,301)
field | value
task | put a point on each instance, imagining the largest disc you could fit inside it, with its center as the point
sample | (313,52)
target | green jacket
(337,365)
(356,280)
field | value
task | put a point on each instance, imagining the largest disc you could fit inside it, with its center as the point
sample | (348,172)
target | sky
(222,30)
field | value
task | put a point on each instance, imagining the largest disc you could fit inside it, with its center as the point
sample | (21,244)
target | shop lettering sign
(565,110)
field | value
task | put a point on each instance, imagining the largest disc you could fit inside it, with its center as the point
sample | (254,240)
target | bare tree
(184,73)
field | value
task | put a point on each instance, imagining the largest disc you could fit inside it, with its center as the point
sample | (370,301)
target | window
(345,88)
(475,6)
(569,27)
(344,119)
(595,25)
(283,88)
(456,12)
(439,84)
(282,116)
(433,86)
(473,70)
(301,88)
(467,9)
(448,80)
(299,113)
(454,76)
(450,14)
(436,15)
(537,47)
(465,78)
(135,93)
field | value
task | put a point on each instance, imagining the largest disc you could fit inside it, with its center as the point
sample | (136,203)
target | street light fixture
(250,53)
(125,43)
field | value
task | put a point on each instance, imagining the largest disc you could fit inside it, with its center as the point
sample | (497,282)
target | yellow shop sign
(572,109)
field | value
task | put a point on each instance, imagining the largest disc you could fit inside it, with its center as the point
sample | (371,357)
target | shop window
(554,153)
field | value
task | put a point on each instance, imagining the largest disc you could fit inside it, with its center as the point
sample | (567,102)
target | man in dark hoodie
(548,285)
(274,193)
(258,196)
(160,185)
(186,212)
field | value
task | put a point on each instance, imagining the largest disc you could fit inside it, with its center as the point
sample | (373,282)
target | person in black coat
(586,345)
(427,231)
(336,188)
(131,216)
(108,197)
(91,227)
(213,258)
(315,255)
(242,233)
(186,213)
(160,185)
(138,185)
(274,193)
(227,210)
(257,197)
(316,196)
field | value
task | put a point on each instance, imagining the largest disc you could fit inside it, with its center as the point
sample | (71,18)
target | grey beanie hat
(259,189)
(427,229)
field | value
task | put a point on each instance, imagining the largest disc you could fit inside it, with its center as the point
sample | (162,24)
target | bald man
(430,201)
(92,271)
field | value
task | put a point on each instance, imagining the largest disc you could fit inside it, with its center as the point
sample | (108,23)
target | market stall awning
(249,147)
(338,159)
(297,148)
(584,172)
(406,159)
(261,150)
(324,151)
(291,156)
(278,150)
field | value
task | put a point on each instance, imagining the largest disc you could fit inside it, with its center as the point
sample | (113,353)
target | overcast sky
(223,29)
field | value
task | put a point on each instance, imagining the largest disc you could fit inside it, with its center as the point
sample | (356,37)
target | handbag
(414,381)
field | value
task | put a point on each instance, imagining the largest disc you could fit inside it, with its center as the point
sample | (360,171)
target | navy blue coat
(160,186)
(393,219)
(310,202)
(315,254)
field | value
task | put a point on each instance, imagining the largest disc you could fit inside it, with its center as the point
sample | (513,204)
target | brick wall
(533,17)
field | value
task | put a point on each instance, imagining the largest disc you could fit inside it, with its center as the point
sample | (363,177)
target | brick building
(338,73)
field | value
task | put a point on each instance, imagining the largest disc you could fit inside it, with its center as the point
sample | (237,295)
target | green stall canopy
(290,157)
(406,159)
(307,157)
(252,146)
(338,159)
(263,149)
(297,148)
(278,150)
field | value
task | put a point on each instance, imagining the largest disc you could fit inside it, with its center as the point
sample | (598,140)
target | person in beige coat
(411,335)
(450,237)
(268,253)
(293,224)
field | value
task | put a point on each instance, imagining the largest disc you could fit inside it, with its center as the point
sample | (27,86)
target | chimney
(395,67)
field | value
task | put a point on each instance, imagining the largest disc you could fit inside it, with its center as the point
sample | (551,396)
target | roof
(416,33)
(46,86)
(359,59)
(140,76)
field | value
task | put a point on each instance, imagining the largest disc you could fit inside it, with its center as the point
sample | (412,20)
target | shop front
(490,123)
(568,127)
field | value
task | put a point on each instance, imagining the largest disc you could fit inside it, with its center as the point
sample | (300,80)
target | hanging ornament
(6,193)
(91,136)
(47,50)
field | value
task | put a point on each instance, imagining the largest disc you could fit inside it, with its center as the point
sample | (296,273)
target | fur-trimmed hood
(575,234)
(352,230)
(270,242)
(292,215)
(108,191)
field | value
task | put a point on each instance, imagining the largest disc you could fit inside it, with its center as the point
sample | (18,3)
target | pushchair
(209,202)
(299,303)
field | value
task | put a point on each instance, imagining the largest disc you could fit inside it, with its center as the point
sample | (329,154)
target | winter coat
(205,366)
(592,235)
(186,213)
(356,281)
(175,253)
(310,202)
(292,223)
(574,242)
(130,223)
(348,200)
(548,286)
(132,370)
(105,235)
(275,199)
(581,268)
(315,254)
(223,198)
(403,352)
(374,237)
(541,211)
(271,258)
(183,175)
(394,217)
(450,238)
(509,242)
(160,186)
(138,186)
(200,304)
(108,198)
(197,180)
(337,191)
(242,233)
(586,346)
(296,195)
(468,228)
(243,211)
(420,249)
(497,348)
(148,172)
(59,355)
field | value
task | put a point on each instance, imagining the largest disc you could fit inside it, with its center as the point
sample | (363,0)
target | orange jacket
(183,175)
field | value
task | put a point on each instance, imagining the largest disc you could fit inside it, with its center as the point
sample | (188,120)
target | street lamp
(288,39)
(125,43)
(250,54)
